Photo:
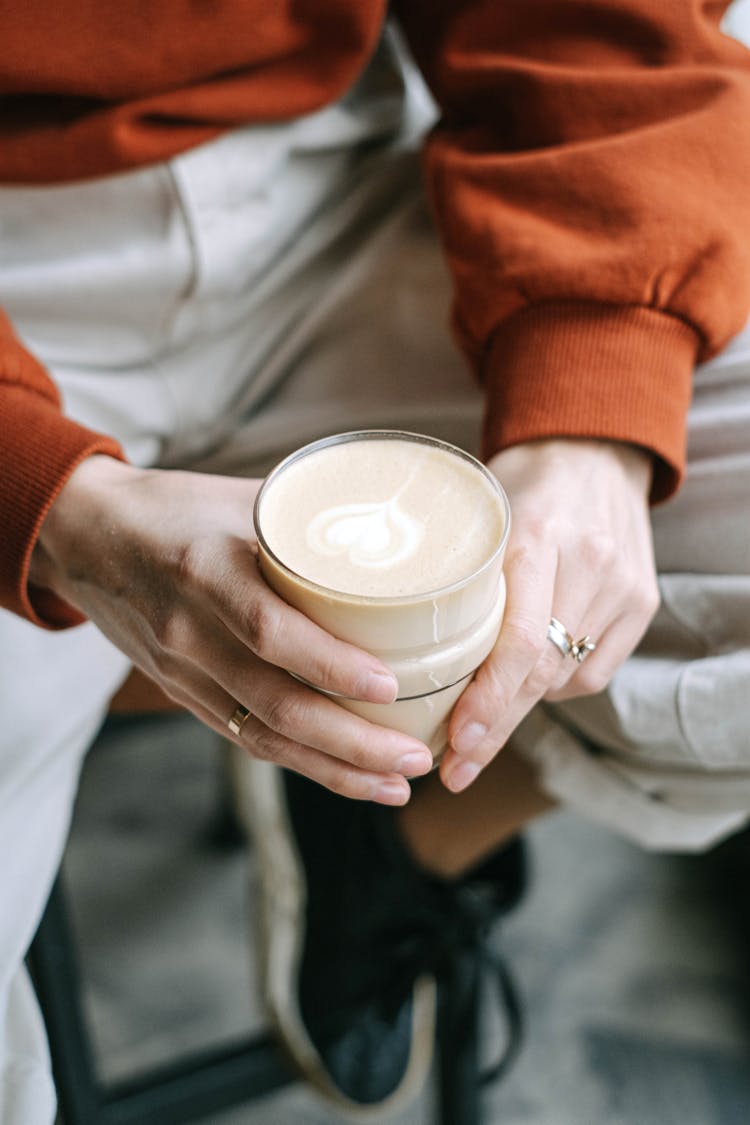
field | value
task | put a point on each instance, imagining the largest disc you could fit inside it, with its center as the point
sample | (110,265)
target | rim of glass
(381,435)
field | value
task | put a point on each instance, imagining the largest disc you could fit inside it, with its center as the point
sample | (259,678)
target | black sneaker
(355,937)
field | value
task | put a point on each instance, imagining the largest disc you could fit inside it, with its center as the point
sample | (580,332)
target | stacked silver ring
(566,644)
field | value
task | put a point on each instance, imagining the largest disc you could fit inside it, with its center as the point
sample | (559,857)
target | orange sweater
(590,180)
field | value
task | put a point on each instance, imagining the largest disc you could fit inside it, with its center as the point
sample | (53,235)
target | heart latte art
(376,535)
(382,517)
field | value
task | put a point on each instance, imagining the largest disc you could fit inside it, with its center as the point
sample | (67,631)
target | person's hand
(165,564)
(580,550)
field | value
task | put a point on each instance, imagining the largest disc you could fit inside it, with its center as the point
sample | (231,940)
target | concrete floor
(635,968)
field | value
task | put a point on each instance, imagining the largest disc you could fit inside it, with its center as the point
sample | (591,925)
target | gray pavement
(634,967)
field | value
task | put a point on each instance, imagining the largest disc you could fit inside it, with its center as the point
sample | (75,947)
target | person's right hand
(165,564)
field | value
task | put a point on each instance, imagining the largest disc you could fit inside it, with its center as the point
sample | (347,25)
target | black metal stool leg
(173,1094)
(55,974)
(213,1080)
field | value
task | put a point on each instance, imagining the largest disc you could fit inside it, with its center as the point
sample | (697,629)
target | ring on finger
(566,644)
(560,637)
(580,650)
(238,718)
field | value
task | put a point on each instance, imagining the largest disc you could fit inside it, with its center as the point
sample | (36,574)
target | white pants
(269,288)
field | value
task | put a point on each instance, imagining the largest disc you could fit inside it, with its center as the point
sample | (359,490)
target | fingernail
(391,793)
(380,687)
(462,775)
(415,764)
(468,737)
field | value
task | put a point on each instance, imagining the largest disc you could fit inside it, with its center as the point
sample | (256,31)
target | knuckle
(493,693)
(163,666)
(522,560)
(353,784)
(284,713)
(171,631)
(190,562)
(649,599)
(535,530)
(598,550)
(371,753)
(641,598)
(541,677)
(264,746)
(325,670)
(361,755)
(525,638)
(259,626)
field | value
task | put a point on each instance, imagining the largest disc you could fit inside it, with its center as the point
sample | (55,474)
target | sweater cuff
(42,450)
(571,369)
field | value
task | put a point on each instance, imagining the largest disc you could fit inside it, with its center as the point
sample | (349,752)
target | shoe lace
(511,1004)
(471,940)
(455,944)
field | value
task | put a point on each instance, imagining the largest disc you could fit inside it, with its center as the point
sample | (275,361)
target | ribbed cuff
(589,370)
(40,449)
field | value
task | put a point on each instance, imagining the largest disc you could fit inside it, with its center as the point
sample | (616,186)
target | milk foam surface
(382,517)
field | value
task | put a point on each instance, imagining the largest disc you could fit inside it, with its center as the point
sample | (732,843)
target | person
(213,249)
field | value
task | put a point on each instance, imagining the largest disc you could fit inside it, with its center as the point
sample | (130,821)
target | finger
(556,664)
(281,635)
(298,712)
(592,579)
(578,679)
(342,778)
(616,621)
(478,718)
(579,596)
(616,643)
(493,695)
(291,709)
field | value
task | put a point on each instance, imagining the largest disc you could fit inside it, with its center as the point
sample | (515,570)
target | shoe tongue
(501,875)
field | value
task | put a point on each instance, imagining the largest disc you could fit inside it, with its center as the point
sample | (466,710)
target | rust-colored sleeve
(591,180)
(39,448)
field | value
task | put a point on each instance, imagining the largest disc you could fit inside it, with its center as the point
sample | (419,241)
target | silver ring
(560,637)
(581,649)
(238,718)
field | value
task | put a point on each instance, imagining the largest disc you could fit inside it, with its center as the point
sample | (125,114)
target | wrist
(580,456)
(80,507)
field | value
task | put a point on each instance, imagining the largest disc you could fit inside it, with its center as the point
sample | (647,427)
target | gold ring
(239,717)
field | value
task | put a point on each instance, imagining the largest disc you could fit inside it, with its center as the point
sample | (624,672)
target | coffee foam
(382,518)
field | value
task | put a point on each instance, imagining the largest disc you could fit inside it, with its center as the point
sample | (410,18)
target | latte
(393,542)
(382,518)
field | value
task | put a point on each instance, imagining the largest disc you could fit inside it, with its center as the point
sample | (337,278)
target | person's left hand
(580,550)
